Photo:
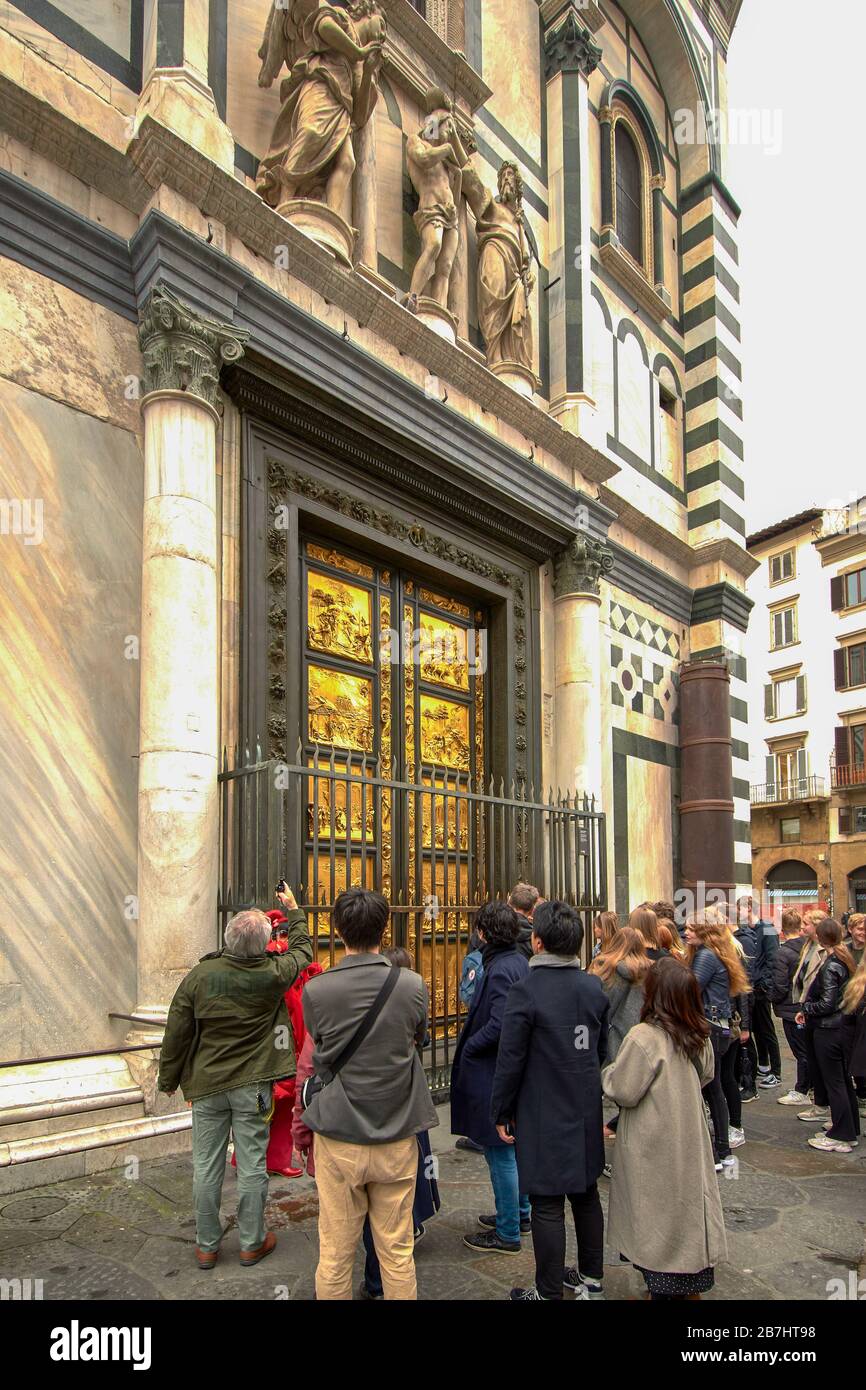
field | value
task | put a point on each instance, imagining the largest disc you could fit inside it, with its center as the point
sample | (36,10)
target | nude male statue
(436,157)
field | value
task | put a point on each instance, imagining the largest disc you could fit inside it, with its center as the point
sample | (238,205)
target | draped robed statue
(506,250)
(333,57)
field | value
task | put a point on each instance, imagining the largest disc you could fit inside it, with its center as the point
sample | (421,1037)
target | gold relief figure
(443,653)
(448,605)
(333,57)
(445,733)
(338,561)
(386,753)
(340,709)
(338,617)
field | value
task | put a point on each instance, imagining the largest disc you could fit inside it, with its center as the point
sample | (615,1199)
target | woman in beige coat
(656,1081)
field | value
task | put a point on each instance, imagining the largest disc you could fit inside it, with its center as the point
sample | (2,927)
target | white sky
(801,248)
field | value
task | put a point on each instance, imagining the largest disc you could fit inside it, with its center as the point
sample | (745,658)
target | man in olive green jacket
(227,1039)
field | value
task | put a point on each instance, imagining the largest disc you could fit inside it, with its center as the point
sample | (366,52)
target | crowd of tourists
(562,1077)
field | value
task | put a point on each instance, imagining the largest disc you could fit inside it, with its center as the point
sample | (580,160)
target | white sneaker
(736,1137)
(815,1112)
(828,1145)
(729,1162)
(793,1098)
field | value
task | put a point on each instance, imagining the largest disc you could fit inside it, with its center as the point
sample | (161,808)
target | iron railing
(437,847)
(847,775)
(778,793)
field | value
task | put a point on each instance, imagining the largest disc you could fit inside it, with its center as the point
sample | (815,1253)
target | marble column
(365,202)
(570,57)
(178,821)
(175,88)
(458,297)
(577,666)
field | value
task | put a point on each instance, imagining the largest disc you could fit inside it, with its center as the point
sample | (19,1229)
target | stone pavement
(795,1220)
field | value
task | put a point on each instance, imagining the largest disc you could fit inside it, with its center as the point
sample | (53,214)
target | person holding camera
(228,1039)
(366,1100)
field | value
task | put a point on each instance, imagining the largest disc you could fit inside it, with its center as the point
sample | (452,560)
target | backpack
(471,975)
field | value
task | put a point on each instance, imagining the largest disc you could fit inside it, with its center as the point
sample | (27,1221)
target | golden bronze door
(393,712)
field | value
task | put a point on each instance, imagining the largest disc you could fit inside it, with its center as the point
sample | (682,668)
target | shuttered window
(855,588)
(781,567)
(629,193)
(849,666)
(784,627)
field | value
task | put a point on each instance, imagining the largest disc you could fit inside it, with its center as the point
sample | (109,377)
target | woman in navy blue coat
(472,1072)
(547,1092)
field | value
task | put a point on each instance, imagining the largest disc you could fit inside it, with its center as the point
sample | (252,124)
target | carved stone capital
(578,568)
(182,350)
(570,48)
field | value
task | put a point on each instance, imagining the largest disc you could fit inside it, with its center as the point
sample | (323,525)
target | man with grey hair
(227,1039)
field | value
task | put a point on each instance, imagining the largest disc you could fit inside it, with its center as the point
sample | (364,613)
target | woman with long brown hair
(831,1034)
(644,920)
(670,939)
(656,1080)
(604,929)
(622,970)
(718,967)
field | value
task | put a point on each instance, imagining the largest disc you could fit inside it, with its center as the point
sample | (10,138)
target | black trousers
(714,1094)
(819,1090)
(766,1040)
(796,1039)
(548,1238)
(746,1065)
(833,1053)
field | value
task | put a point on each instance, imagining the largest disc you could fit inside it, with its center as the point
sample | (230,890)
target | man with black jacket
(785,963)
(763,1045)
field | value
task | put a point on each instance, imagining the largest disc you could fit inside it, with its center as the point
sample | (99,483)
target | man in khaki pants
(366,1117)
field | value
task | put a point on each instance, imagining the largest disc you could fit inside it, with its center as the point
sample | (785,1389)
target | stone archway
(791,884)
(857,889)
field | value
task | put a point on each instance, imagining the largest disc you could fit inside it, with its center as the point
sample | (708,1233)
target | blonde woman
(717,964)
(854,1005)
(604,928)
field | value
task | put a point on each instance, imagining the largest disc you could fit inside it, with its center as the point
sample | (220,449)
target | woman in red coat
(280,1146)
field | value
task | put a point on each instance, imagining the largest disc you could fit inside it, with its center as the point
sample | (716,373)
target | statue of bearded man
(505,278)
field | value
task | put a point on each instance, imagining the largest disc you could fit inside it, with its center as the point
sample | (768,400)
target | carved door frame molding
(335,496)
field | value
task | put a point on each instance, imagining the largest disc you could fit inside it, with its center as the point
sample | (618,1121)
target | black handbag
(314,1084)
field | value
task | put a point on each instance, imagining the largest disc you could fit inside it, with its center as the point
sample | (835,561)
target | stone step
(50,1158)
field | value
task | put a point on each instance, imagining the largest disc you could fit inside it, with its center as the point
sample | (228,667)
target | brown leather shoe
(206,1258)
(252,1257)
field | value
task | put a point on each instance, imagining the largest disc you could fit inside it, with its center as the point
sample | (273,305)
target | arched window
(629,193)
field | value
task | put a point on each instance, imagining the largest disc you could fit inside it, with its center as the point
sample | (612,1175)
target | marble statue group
(333,57)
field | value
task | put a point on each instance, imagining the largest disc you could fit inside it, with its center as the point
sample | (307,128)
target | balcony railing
(781,793)
(848,775)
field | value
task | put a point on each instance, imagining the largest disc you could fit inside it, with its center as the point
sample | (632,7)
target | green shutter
(769,702)
(801,694)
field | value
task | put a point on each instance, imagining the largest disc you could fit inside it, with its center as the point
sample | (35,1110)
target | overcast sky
(801,250)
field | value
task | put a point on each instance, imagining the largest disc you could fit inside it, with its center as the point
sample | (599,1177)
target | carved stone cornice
(590,14)
(183,351)
(578,569)
(570,48)
(419,41)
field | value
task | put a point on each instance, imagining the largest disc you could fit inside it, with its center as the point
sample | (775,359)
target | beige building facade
(237,454)
(807,658)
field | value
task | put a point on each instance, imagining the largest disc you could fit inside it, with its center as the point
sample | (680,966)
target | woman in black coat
(472,1071)
(832,1034)
(547,1101)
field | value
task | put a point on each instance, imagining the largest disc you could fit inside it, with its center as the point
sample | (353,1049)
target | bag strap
(366,1022)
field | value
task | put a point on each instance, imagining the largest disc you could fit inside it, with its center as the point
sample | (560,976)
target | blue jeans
(511,1204)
